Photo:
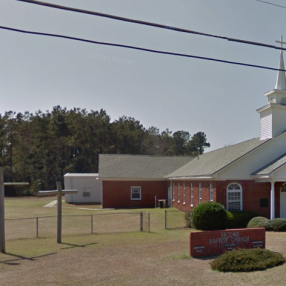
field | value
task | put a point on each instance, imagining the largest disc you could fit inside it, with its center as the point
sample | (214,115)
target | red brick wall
(178,202)
(252,192)
(208,243)
(116,194)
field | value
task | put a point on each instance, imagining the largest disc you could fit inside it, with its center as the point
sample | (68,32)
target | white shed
(89,188)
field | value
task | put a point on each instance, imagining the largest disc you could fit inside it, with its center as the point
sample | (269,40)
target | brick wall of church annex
(117,194)
(252,193)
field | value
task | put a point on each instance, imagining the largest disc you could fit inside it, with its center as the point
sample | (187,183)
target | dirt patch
(147,259)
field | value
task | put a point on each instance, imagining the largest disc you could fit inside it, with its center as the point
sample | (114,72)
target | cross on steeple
(281,42)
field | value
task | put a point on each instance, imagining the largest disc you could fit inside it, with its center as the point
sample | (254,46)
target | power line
(148,23)
(269,3)
(138,48)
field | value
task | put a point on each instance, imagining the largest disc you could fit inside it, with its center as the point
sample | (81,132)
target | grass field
(160,257)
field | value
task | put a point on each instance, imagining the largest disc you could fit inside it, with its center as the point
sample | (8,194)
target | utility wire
(138,48)
(269,3)
(148,23)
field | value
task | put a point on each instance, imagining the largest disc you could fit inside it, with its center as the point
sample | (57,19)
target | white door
(283,203)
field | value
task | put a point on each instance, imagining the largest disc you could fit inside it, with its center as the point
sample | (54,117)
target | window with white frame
(200,193)
(192,195)
(184,194)
(135,193)
(234,197)
(179,193)
(173,192)
(211,193)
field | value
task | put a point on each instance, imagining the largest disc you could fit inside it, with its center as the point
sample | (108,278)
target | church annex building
(244,176)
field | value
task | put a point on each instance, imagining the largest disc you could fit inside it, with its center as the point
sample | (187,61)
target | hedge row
(213,216)
(277,224)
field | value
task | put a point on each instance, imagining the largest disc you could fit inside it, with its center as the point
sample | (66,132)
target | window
(178,192)
(234,197)
(184,194)
(173,192)
(211,193)
(264,203)
(200,193)
(192,195)
(86,192)
(135,193)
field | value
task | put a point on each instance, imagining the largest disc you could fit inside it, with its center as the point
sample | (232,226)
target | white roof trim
(192,178)
(271,105)
(132,179)
(81,175)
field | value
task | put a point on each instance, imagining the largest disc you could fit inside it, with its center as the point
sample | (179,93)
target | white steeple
(281,80)
(273,115)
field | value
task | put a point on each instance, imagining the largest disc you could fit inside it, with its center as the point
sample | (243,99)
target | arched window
(234,197)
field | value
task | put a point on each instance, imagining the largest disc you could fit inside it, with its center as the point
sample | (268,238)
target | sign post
(58,192)
(2,208)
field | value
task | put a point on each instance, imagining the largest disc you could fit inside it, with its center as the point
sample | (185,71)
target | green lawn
(160,257)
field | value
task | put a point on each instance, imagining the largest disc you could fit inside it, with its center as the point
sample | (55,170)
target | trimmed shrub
(278,224)
(247,260)
(260,221)
(208,216)
(239,219)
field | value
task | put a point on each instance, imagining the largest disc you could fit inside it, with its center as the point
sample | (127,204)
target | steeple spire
(281,80)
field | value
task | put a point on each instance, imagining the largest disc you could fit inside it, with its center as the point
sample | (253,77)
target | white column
(272,201)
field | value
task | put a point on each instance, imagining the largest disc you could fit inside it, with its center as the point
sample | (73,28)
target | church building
(246,176)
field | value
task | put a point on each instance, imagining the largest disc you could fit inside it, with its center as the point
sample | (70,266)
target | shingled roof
(139,166)
(272,166)
(214,161)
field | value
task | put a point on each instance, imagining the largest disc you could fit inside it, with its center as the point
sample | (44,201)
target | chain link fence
(77,224)
(174,219)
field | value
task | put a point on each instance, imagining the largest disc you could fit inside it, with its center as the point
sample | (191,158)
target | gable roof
(139,166)
(271,167)
(214,161)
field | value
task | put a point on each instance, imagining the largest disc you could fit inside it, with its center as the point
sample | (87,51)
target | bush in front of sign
(278,224)
(208,216)
(242,260)
(260,221)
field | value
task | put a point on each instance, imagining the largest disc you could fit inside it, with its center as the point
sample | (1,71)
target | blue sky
(158,90)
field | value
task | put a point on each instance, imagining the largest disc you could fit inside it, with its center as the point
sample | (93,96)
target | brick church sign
(207,243)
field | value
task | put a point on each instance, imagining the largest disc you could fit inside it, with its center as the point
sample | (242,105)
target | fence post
(148,222)
(165,219)
(37,227)
(141,221)
(91,223)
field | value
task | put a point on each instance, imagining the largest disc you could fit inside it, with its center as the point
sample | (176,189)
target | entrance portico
(275,174)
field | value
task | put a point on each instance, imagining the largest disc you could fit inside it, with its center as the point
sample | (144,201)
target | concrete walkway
(51,204)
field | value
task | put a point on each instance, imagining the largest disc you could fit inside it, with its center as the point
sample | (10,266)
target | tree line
(39,148)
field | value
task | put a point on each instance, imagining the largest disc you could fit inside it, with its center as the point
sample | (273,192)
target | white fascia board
(133,179)
(275,91)
(258,177)
(192,178)
(265,107)
(271,105)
